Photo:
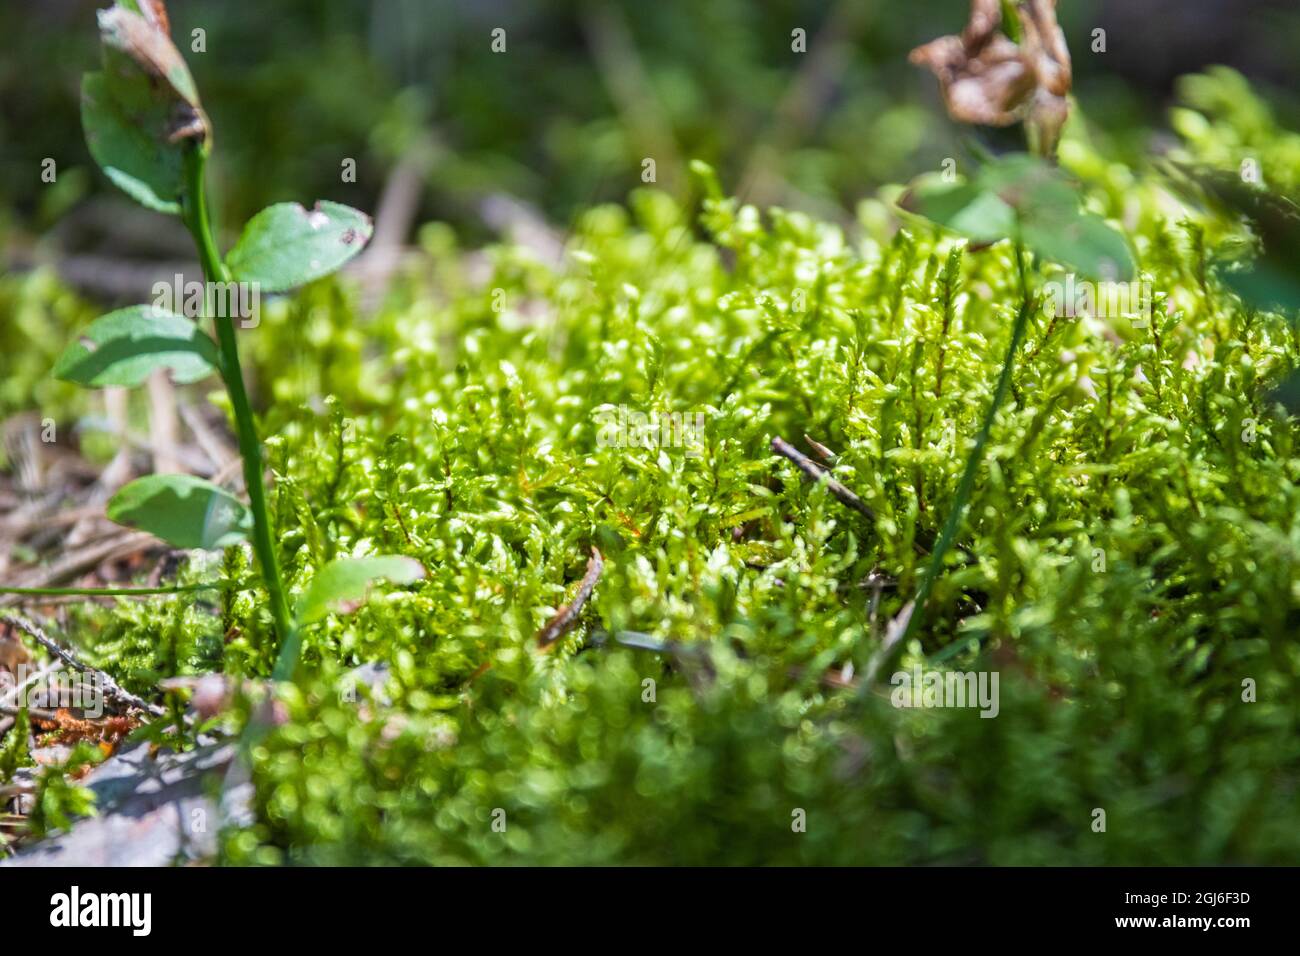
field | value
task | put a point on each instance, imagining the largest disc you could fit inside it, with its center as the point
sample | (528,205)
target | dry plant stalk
(989,80)
(567,616)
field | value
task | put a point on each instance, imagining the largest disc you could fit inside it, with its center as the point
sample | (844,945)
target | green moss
(59,799)
(1132,554)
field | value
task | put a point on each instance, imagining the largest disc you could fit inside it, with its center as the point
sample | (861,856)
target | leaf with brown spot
(142,111)
(286,245)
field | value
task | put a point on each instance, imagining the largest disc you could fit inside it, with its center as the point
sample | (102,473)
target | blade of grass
(967,483)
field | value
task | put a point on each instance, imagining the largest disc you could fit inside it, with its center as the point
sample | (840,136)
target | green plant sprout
(1030,202)
(147,130)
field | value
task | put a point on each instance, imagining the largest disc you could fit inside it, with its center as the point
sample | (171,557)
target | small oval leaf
(184,511)
(342,584)
(123,347)
(286,245)
(142,113)
(1020,196)
(978,214)
(145,167)
(1081,241)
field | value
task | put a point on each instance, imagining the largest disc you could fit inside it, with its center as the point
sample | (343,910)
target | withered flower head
(989,80)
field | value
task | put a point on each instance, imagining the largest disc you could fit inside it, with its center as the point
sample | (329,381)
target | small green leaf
(141,58)
(285,245)
(1046,204)
(123,347)
(1021,196)
(145,168)
(1080,241)
(142,112)
(184,511)
(342,584)
(707,177)
(976,213)
(1022,180)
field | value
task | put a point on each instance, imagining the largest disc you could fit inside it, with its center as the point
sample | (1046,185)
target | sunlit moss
(1131,555)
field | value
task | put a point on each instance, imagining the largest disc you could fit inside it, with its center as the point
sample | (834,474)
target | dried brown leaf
(988,80)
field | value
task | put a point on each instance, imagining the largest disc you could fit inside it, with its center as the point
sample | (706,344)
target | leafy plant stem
(967,481)
(250,449)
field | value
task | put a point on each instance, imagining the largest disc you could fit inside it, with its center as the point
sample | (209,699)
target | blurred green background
(583,93)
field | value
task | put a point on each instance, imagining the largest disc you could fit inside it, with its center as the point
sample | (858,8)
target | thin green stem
(967,483)
(250,448)
(113,592)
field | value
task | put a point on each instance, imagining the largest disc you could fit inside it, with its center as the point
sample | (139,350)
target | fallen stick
(567,616)
(842,494)
(639,641)
(111,687)
(823,452)
(697,653)
(816,473)
(16,790)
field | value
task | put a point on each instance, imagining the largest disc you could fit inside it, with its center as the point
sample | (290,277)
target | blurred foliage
(1225,124)
(38,310)
(565,116)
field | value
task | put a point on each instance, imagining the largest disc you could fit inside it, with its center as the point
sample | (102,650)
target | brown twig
(12,693)
(164,424)
(106,277)
(693,659)
(399,206)
(214,445)
(815,472)
(524,225)
(841,679)
(111,687)
(36,713)
(567,616)
(842,494)
(823,452)
(804,104)
(18,789)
